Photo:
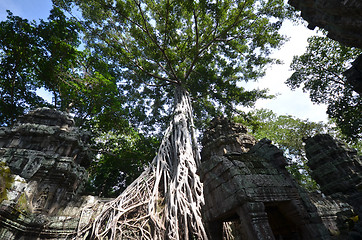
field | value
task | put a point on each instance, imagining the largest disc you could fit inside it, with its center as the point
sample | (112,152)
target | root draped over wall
(165,201)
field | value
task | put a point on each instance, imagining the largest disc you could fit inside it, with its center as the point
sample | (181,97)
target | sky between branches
(295,103)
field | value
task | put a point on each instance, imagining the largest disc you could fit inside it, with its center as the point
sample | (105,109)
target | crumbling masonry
(248,192)
(43,159)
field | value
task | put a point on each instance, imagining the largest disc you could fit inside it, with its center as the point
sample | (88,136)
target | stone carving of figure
(42,199)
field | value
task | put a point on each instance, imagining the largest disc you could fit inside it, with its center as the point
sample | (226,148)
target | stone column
(254,221)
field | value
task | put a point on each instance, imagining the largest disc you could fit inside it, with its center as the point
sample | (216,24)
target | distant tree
(45,55)
(33,56)
(59,60)
(320,72)
(122,158)
(287,133)
(18,59)
(177,56)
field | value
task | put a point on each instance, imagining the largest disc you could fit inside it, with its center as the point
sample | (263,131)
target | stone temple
(247,183)
(248,192)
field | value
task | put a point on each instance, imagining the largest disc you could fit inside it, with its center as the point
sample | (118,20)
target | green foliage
(60,59)
(32,56)
(45,55)
(287,133)
(320,71)
(207,47)
(18,58)
(123,157)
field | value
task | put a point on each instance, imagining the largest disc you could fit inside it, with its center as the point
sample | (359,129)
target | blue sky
(295,103)
(29,9)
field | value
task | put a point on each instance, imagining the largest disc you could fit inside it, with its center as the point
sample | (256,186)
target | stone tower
(248,185)
(338,171)
(42,160)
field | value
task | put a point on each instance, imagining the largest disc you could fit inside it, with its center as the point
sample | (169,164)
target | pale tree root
(165,201)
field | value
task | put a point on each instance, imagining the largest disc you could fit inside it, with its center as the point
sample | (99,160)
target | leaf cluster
(18,51)
(122,158)
(320,72)
(33,56)
(45,55)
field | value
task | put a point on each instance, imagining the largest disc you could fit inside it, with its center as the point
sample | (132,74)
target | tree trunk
(165,201)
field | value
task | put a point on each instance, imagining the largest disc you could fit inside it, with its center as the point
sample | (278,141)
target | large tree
(171,57)
(320,72)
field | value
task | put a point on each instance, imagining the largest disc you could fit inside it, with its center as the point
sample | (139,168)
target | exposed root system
(164,202)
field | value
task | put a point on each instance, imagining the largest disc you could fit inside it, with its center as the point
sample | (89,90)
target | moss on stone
(22,204)
(6,181)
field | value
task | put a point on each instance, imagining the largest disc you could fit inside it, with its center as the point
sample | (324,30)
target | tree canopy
(320,71)
(207,47)
(46,55)
(18,46)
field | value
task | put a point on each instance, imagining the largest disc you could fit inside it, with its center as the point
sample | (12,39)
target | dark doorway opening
(283,225)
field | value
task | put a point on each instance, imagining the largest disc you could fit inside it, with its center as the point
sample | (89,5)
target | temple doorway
(283,221)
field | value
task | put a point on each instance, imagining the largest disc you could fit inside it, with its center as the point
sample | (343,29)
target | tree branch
(215,37)
(136,64)
(156,43)
(186,76)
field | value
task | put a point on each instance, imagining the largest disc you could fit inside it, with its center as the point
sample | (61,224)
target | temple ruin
(248,184)
(248,192)
(338,171)
(43,160)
